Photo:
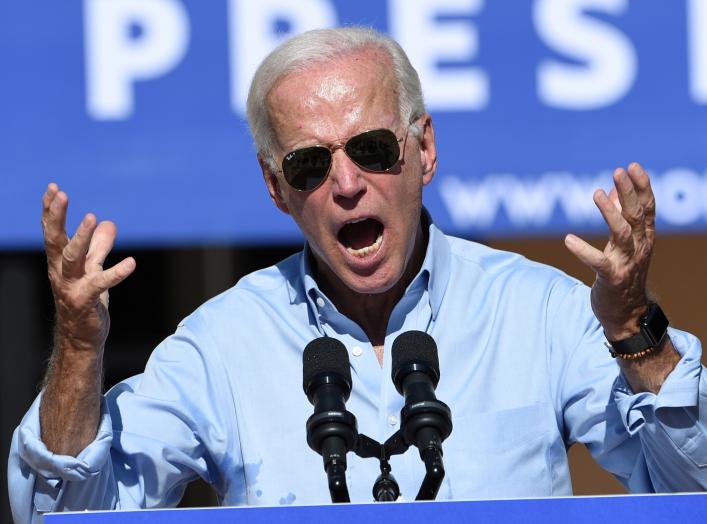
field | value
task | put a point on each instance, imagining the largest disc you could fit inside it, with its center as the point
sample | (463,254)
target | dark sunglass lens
(305,169)
(376,150)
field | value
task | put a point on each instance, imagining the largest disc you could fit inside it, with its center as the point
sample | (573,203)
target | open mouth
(361,237)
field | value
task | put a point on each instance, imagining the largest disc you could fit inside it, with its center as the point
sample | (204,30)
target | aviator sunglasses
(377,151)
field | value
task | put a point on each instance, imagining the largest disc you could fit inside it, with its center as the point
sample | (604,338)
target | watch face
(655,324)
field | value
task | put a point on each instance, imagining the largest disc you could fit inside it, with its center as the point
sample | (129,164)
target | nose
(347,180)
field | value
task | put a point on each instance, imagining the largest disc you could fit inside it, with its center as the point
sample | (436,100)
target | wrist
(69,337)
(77,347)
(651,332)
(627,325)
(81,365)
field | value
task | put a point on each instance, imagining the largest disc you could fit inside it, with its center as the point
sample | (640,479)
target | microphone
(331,430)
(424,421)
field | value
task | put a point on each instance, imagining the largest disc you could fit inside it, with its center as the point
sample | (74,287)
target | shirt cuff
(55,468)
(681,389)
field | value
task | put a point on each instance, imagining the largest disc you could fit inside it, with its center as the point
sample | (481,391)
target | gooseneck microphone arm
(424,421)
(331,430)
(434,473)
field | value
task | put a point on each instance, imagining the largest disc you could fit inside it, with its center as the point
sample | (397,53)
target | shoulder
(497,262)
(272,287)
(504,286)
(512,272)
(234,321)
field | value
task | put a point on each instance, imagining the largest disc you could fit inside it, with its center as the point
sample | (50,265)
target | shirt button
(320,301)
(357,351)
(392,420)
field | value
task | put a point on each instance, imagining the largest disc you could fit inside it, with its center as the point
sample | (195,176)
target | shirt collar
(434,273)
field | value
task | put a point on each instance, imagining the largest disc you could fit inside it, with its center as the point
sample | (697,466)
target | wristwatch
(653,327)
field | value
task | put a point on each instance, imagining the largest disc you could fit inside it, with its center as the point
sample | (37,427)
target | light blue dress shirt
(523,367)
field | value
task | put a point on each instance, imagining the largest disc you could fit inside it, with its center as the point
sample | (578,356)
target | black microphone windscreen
(415,346)
(325,355)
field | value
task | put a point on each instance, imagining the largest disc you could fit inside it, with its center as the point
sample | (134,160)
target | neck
(372,311)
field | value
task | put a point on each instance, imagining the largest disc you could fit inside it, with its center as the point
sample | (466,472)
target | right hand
(79,283)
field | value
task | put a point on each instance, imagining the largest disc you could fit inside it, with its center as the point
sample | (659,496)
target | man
(346,147)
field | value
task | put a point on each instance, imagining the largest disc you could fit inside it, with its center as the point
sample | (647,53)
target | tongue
(361,234)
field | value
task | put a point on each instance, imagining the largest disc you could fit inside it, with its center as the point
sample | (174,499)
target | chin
(373,284)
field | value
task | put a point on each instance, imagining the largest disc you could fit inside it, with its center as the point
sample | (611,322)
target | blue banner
(647,509)
(136,109)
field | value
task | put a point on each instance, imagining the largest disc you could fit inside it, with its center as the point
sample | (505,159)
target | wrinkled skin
(619,293)
(328,105)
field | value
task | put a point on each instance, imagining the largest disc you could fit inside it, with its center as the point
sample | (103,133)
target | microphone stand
(434,474)
(424,424)
(420,425)
(336,476)
(385,488)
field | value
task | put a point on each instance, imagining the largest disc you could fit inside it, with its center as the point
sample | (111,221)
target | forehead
(331,100)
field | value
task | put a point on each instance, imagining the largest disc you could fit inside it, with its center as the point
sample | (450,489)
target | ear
(428,149)
(273,184)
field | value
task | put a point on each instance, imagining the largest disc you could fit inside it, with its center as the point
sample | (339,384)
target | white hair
(326,45)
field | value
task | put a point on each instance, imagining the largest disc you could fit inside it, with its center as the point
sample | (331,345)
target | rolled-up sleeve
(649,442)
(37,477)
(672,425)
(157,432)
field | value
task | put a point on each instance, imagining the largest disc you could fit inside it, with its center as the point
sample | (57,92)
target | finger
(619,228)
(54,216)
(112,276)
(587,254)
(614,197)
(101,244)
(642,184)
(54,224)
(74,253)
(641,181)
(631,208)
(48,197)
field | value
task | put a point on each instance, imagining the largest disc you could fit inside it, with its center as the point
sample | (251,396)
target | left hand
(619,295)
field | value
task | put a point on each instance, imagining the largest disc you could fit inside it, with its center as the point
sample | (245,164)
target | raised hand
(619,294)
(79,282)
(70,407)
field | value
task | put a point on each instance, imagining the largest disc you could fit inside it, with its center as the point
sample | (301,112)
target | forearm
(70,408)
(648,373)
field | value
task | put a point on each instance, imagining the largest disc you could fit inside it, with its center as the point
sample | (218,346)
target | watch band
(653,328)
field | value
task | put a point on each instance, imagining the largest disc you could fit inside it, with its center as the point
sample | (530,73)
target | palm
(79,283)
(619,294)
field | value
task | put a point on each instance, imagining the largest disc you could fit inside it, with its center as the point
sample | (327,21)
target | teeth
(356,221)
(360,253)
